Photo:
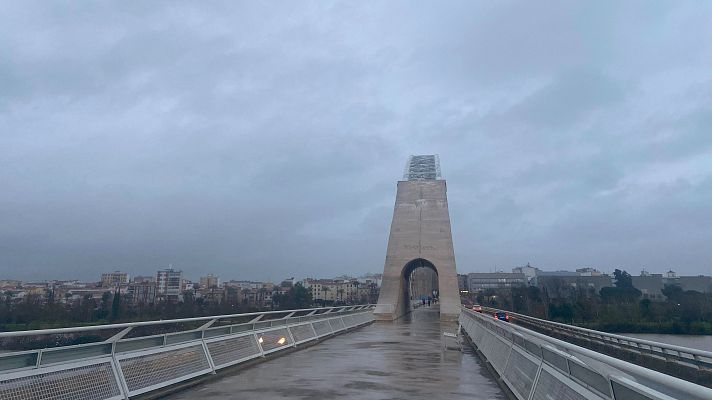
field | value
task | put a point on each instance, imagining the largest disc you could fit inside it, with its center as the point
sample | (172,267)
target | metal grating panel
(349,321)
(625,393)
(550,388)
(322,328)
(590,377)
(532,347)
(363,318)
(275,339)
(232,350)
(151,371)
(520,373)
(90,382)
(302,333)
(359,319)
(484,344)
(336,324)
(499,354)
(555,359)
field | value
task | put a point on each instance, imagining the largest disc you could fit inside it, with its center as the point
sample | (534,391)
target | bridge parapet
(120,367)
(536,366)
(686,357)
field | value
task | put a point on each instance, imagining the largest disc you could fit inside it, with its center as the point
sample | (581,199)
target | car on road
(501,315)
(477,307)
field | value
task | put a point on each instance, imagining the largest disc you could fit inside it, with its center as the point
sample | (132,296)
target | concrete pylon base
(420,237)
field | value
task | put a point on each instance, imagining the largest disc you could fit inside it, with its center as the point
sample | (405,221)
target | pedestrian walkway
(394,360)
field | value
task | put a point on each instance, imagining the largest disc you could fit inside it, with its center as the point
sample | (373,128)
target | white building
(168,283)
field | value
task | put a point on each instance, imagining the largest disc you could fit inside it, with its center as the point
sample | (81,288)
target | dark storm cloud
(263,140)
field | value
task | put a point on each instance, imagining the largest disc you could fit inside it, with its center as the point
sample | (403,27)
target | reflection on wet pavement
(402,360)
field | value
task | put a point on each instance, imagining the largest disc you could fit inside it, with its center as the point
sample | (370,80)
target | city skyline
(195,277)
(255,139)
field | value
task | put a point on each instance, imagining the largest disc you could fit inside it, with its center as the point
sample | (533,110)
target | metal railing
(534,366)
(129,359)
(698,358)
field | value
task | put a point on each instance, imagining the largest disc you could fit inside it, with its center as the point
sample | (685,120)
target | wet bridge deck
(402,360)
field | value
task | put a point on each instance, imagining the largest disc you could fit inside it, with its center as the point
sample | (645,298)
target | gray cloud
(263,140)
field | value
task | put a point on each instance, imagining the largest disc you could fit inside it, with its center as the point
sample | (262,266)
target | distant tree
(673,293)
(620,294)
(623,279)
(645,306)
(296,297)
(623,291)
(103,311)
(116,306)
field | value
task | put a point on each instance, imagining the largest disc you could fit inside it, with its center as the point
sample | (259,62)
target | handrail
(35,332)
(672,382)
(663,346)
(122,368)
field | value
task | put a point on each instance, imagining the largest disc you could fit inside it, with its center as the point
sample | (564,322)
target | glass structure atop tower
(422,168)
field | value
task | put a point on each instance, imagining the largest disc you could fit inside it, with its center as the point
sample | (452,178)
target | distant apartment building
(209,281)
(336,290)
(142,292)
(114,279)
(478,281)
(528,271)
(462,282)
(370,278)
(142,279)
(565,286)
(169,283)
(322,290)
(588,271)
(652,285)
(368,293)
(10,284)
(251,293)
(249,285)
(700,283)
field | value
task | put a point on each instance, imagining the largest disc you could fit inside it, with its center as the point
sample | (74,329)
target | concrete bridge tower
(420,237)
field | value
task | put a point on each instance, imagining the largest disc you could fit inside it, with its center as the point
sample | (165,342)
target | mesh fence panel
(91,382)
(479,333)
(520,373)
(302,332)
(366,317)
(155,369)
(350,321)
(591,378)
(336,324)
(624,393)
(275,339)
(550,388)
(555,359)
(322,327)
(500,354)
(228,351)
(485,345)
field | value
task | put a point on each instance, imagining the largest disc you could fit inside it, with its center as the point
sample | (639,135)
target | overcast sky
(264,140)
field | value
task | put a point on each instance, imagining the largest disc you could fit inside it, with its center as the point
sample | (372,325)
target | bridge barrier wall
(694,365)
(537,367)
(125,368)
